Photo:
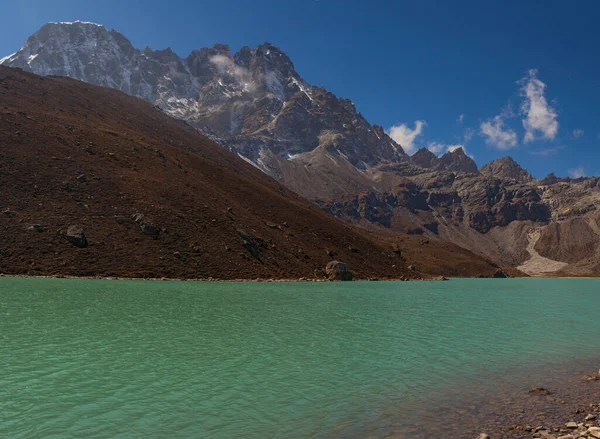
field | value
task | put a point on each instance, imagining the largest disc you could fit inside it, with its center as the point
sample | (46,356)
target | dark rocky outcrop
(337,270)
(500,274)
(76,236)
(146,225)
(480,201)
(251,243)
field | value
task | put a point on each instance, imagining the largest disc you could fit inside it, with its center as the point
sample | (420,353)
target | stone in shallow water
(540,391)
(483,436)
(571,425)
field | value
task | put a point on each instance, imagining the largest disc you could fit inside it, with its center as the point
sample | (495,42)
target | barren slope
(76,154)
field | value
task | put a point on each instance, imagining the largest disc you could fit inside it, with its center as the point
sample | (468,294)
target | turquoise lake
(142,359)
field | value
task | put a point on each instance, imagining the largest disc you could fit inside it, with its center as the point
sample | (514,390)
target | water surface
(137,359)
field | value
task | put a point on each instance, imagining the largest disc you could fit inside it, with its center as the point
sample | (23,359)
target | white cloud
(436,148)
(540,117)
(461,118)
(577,172)
(227,65)
(577,133)
(497,134)
(405,137)
(440,148)
(548,151)
(469,133)
(452,148)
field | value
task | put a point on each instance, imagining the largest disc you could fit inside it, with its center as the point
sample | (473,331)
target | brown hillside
(76,154)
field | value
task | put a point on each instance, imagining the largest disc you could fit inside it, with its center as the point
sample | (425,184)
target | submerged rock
(540,391)
(337,270)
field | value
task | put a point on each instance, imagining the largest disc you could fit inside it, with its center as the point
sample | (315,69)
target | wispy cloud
(540,118)
(405,136)
(497,134)
(468,135)
(226,65)
(578,133)
(441,148)
(548,151)
(436,148)
(577,172)
(452,148)
(461,118)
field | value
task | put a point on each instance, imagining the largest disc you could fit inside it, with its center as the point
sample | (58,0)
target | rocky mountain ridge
(253,101)
(507,168)
(255,104)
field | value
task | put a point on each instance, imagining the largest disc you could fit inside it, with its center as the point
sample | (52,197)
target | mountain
(94,182)
(506,168)
(425,159)
(256,105)
(253,102)
(456,160)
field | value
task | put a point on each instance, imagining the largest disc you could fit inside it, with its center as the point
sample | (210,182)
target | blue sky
(515,78)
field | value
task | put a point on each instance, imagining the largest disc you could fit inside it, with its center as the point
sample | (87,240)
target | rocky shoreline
(583,421)
(588,428)
(211,279)
(564,404)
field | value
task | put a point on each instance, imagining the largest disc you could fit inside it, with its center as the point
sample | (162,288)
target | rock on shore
(337,270)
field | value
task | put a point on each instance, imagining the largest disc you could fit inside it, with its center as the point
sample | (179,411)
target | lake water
(139,359)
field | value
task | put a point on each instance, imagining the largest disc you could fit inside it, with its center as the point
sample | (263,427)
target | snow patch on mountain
(7,58)
(76,22)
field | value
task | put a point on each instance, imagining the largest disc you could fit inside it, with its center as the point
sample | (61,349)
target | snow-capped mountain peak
(253,102)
